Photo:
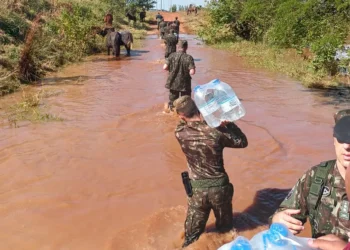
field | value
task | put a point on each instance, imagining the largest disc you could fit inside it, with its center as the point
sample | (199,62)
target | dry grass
(195,23)
(31,108)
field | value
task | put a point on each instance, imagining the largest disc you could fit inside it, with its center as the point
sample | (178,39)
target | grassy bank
(39,36)
(289,61)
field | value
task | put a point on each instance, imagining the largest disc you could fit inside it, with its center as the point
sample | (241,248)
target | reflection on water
(108,177)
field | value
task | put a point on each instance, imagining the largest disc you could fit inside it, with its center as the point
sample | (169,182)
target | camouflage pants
(174,94)
(199,206)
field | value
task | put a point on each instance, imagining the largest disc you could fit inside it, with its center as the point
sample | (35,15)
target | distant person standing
(159,18)
(181,66)
(177,30)
(170,41)
(162,28)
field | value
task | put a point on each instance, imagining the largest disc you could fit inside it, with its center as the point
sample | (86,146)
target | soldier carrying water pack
(207,183)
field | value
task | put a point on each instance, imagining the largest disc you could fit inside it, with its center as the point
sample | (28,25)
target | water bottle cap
(196,88)
(241,243)
(277,233)
(215,81)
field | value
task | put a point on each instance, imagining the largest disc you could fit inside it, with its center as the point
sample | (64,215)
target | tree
(148,4)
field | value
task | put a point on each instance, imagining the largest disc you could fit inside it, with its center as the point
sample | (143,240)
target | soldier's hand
(224,123)
(285,217)
(328,242)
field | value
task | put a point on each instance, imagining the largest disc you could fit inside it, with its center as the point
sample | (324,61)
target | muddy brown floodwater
(108,176)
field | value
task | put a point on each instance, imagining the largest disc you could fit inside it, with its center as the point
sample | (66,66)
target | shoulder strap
(318,182)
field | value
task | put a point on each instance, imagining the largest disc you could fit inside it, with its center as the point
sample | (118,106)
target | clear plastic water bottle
(231,106)
(218,102)
(278,237)
(240,243)
(207,104)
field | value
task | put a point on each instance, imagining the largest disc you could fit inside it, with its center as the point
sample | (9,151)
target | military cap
(340,114)
(341,130)
(183,101)
(183,43)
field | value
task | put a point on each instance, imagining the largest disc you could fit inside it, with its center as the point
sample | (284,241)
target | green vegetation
(173,8)
(31,108)
(137,5)
(312,29)
(37,36)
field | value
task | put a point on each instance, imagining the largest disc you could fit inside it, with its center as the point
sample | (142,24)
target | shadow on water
(335,96)
(266,202)
(138,52)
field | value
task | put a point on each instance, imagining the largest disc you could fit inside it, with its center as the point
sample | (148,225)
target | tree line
(320,26)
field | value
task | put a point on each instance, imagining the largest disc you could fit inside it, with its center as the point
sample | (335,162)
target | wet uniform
(179,79)
(170,42)
(162,28)
(331,215)
(203,147)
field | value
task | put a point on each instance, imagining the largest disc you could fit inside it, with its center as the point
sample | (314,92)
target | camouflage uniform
(203,147)
(170,41)
(179,79)
(159,18)
(162,27)
(331,215)
(177,23)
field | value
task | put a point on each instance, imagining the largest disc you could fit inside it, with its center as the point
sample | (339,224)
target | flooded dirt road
(108,176)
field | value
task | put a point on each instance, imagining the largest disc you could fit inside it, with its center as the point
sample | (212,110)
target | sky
(168,3)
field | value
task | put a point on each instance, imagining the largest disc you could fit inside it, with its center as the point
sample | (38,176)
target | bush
(324,50)
(13,26)
(320,25)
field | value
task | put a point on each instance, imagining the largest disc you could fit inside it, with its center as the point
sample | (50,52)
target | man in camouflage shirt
(177,23)
(162,28)
(159,18)
(181,66)
(320,194)
(170,42)
(203,147)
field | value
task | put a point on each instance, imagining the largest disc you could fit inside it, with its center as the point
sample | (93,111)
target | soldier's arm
(232,136)
(166,64)
(296,200)
(192,66)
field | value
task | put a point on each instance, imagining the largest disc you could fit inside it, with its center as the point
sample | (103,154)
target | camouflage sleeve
(191,63)
(232,136)
(297,198)
(167,61)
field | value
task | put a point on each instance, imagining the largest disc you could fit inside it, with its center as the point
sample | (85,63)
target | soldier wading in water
(181,66)
(209,186)
(320,193)
(170,41)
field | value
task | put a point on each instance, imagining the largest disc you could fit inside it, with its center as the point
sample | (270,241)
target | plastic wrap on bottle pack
(277,237)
